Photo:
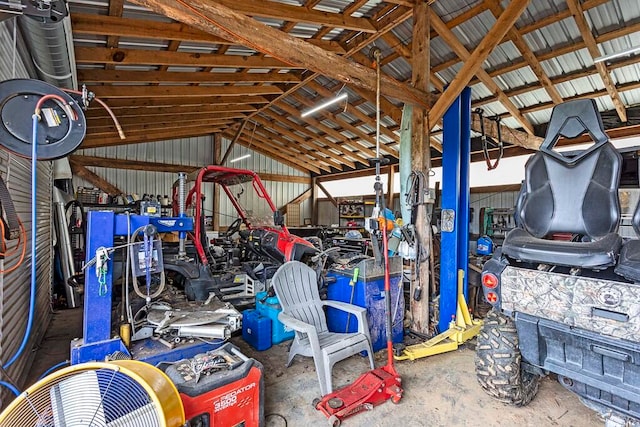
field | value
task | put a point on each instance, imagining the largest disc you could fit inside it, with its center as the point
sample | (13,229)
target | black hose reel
(58,135)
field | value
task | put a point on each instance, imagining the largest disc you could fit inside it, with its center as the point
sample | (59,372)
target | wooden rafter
(358,156)
(132,122)
(93,141)
(475,60)
(528,55)
(147,29)
(93,178)
(221,21)
(269,9)
(459,49)
(92,55)
(298,143)
(537,25)
(273,152)
(315,141)
(282,125)
(131,130)
(285,145)
(229,110)
(191,101)
(578,15)
(362,141)
(127,76)
(352,110)
(166,91)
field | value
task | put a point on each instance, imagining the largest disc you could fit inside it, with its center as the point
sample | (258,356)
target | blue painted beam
(456,146)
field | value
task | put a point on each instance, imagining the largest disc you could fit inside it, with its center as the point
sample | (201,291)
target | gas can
(485,246)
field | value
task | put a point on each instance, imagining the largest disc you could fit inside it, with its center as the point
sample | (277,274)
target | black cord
(275,414)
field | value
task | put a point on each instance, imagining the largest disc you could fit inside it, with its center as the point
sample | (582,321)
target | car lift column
(456,156)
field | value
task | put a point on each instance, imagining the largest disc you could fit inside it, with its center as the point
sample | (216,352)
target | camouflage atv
(569,307)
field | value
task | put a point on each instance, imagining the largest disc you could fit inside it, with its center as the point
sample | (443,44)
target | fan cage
(98,395)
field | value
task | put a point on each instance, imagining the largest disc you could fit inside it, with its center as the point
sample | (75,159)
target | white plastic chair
(302,310)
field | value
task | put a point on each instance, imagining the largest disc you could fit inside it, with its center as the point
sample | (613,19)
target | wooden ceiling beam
(352,109)
(180,102)
(362,139)
(538,24)
(587,72)
(315,141)
(528,55)
(153,126)
(301,142)
(93,178)
(181,91)
(473,64)
(116,26)
(113,26)
(92,55)
(596,94)
(93,141)
(357,155)
(116,8)
(310,139)
(277,152)
(104,162)
(274,10)
(229,110)
(93,123)
(219,20)
(578,15)
(128,76)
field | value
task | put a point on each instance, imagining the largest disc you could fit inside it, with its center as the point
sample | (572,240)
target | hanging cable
(11,387)
(54,368)
(485,140)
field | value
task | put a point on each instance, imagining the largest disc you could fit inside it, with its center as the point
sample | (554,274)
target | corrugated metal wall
(196,151)
(192,152)
(477,201)
(15,284)
(280,192)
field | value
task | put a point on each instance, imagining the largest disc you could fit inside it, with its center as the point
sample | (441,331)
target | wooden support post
(421,161)
(233,142)
(94,179)
(217,153)
(334,202)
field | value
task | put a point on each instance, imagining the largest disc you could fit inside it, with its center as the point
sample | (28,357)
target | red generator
(220,388)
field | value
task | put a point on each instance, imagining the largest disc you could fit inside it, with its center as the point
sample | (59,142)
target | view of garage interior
(320,212)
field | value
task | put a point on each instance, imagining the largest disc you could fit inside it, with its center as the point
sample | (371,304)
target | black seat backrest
(573,193)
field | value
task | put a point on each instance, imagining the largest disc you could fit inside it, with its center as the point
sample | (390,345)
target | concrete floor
(438,391)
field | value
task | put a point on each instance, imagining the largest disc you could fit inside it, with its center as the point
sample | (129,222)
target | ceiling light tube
(237,159)
(324,104)
(625,52)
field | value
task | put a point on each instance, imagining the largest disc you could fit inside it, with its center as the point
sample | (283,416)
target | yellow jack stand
(462,329)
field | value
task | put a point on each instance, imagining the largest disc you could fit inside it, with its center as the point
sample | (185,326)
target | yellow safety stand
(461,329)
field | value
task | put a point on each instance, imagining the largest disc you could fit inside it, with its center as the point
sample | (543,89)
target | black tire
(499,362)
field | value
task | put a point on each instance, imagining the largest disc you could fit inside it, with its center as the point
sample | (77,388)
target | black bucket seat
(573,192)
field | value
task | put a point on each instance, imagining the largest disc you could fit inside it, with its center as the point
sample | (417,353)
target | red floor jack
(374,387)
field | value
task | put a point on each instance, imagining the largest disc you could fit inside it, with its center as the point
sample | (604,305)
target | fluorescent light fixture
(237,159)
(324,104)
(625,52)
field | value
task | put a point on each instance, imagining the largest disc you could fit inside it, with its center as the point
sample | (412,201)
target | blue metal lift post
(456,157)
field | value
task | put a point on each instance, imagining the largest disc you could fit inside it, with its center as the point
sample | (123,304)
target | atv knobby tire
(498,362)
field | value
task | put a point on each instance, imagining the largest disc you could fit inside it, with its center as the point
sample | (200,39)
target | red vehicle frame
(225,177)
